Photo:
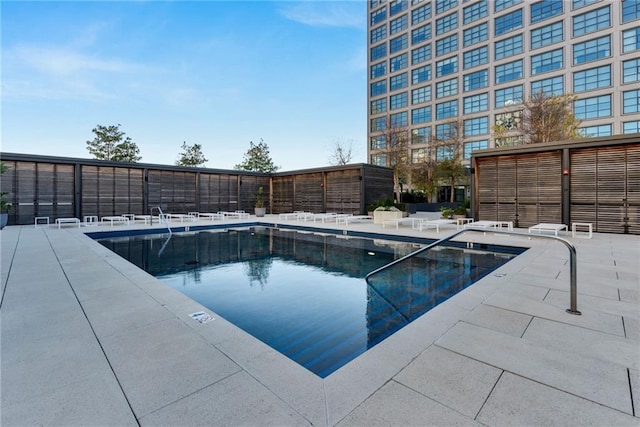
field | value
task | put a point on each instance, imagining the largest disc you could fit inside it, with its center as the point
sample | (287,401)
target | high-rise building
(472,62)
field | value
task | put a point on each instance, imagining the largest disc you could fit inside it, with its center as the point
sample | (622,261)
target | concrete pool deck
(89,339)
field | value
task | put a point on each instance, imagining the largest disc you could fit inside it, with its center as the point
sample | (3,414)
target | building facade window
(398,63)
(379,34)
(577,4)
(470,147)
(420,95)
(378,70)
(378,88)
(475,57)
(447,23)
(503,4)
(447,66)
(551,86)
(398,120)
(447,45)
(379,106)
(508,47)
(476,103)
(421,74)
(594,78)
(549,34)
(444,153)
(476,80)
(631,127)
(476,34)
(398,43)
(631,71)
(595,131)
(476,126)
(421,115)
(509,71)
(446,88)
(630,10)
(631,40)
(378,16)
(444,5)
(508,141)
(379,159)
(379,51)
(591,50)
(545,9)
(418,155)
(421,14)
(592,108)
(591,21)
(508,96)
(398,82)
(421,54)
(378,124)
(547,61)
(421,135)
(398,6)
(631,101)
(509,22)
(398,101)
(421,34)
(510,120)
(447,109)
(399,24)
(378,142)
(474,12)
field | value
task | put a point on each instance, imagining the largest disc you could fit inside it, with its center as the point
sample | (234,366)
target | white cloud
(325,13)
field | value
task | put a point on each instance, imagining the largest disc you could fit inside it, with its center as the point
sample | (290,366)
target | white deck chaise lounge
(117,219)
(397,222)
(210,215)
(74,221)
(426,224)
(490,224)
(545,226)
(348,219)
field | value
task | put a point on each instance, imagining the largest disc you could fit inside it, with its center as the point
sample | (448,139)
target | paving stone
(585,342)
(497,319)
(395,404)
(455,381)
(517,401)
(239,401)
(163,362)
(602,382)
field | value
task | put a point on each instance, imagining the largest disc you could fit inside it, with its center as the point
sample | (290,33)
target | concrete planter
(380,216)
(260,211)
(4,218)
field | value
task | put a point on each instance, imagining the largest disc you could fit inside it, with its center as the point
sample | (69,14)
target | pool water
(304,293)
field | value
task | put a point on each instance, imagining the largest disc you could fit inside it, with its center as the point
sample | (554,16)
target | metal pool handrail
(573,309)
(161,217)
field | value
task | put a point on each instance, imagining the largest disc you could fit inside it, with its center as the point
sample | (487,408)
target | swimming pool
(303,293)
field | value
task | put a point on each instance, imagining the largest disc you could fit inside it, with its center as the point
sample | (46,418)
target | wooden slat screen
(343,192)
(487,188)
(309,192)
(283,194)
(633,189)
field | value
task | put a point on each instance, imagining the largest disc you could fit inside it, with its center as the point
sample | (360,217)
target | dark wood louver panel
(65,191)
(487,188)
(527,192)
(343,191)
(309,192)
(549,188)
(283,194)
(611,190)
(633,189)
(507,188)
(583,186)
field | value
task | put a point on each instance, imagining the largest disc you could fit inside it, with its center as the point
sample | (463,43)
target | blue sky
(215,73)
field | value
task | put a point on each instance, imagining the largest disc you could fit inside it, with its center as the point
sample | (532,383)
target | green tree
(423,174)
(110,144)
(191,155)
(396,136)
(257,159)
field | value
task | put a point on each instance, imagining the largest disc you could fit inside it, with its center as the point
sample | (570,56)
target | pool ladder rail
(573,308)
(161,217)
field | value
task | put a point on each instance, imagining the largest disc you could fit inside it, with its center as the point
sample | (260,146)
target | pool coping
(346,395)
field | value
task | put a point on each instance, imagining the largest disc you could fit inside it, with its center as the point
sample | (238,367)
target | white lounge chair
(354,218)
(545,226)
(426,224)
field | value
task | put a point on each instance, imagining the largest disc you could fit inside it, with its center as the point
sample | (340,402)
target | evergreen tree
(109,144)
(257,159)
(191,155)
